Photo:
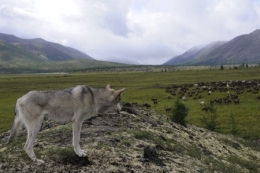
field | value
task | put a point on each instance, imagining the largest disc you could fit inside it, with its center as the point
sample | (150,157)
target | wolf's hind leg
(16,124)
(32,130)
(76,138)
(15,128)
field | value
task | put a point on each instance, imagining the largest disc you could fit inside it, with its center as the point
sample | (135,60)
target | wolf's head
(109,99)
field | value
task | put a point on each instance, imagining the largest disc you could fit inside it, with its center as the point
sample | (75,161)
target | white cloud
(147,31)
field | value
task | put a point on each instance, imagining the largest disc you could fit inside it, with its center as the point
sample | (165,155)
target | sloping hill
(12,56)
(134,140)
(19,55)
(241,49)
(44,49)
(193,54)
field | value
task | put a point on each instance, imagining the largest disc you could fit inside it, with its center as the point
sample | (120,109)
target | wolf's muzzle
(118,107)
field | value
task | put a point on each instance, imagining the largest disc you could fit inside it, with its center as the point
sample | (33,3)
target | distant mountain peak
(38,39)
(241,49)
(257,31)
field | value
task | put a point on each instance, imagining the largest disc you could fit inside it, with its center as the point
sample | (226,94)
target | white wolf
(72,104)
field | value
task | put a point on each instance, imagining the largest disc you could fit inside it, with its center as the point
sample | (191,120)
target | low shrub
(179,113)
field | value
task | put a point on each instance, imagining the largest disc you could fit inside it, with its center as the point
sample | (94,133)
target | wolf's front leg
(76,138)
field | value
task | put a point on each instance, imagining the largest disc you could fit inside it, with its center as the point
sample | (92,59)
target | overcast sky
(145,31)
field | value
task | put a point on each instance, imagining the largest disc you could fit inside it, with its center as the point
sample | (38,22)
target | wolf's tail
(16,124)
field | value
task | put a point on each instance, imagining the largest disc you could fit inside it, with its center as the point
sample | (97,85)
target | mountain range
(38,55)
(44,50)
(241,49)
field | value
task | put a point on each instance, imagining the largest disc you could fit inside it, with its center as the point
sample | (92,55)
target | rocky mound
(135,140)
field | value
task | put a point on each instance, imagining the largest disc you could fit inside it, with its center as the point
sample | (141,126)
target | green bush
(141,134)
(179,113)
(210,119)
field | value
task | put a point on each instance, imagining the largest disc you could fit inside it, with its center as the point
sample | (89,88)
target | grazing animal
(218,100)
(228,94)
(146,105)
(202,103)
(211,102)
(154,101)
(206,108)
(236,101)
(168,109)
(72,104)
(226,100)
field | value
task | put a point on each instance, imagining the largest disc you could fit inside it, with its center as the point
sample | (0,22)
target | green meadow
(141,87)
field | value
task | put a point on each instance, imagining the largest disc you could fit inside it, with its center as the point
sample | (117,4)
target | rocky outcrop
(135,140)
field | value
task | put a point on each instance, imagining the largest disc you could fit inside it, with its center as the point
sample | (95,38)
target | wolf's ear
(119,92)
(108,87)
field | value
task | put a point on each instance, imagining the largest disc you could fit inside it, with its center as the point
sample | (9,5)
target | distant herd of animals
(232,90)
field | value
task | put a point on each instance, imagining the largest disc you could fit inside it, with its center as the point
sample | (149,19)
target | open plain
(166,87)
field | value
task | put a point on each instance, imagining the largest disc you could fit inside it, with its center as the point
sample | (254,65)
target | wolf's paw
(82,153)
(39,161)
